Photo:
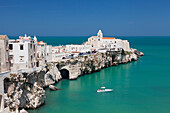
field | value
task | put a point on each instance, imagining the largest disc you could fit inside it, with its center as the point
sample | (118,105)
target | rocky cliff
(95,62)
(25,90)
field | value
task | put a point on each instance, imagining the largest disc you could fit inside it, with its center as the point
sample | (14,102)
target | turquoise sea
(139,87)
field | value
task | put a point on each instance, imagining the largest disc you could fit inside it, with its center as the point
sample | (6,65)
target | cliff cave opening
(64,73)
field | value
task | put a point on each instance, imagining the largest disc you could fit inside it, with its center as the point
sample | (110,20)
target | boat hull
(104,90)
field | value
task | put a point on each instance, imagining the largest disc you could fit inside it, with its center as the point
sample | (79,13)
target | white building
(59,53)
(75,48)
(49,53)
(41,53)
(4,53)
(108,43)
(23,52)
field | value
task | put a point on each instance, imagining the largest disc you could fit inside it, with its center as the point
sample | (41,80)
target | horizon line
(90,36)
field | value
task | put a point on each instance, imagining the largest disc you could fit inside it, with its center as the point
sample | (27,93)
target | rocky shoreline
(26,90)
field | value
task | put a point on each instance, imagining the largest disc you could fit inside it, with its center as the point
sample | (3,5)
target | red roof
(41,42)
(75,52)
(63,51)
(108,38)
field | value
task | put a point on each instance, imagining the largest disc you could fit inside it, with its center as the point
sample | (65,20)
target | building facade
(23,53)
(49,53)
(59,53)
(108,43)
(41,53)
(4,54)
(75,48)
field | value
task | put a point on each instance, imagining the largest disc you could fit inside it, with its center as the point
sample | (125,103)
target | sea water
(142,86)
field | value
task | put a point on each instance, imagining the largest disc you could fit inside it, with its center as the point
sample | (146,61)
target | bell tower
(100,34)
(35,38)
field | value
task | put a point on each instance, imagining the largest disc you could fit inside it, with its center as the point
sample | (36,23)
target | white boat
(104,90)
(52,87)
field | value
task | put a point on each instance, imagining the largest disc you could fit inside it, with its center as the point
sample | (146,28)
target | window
(21,58)
(38,55)
(21,47)
(34,47)
(98,39)
(115,41)
(10,46)
(31,46)
(11,64)
(6,44)
(31,58)
(11,57)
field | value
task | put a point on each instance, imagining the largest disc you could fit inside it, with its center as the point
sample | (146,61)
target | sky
(85,17)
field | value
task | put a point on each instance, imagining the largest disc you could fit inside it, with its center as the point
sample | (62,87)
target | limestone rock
(23,111)
(25,90)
